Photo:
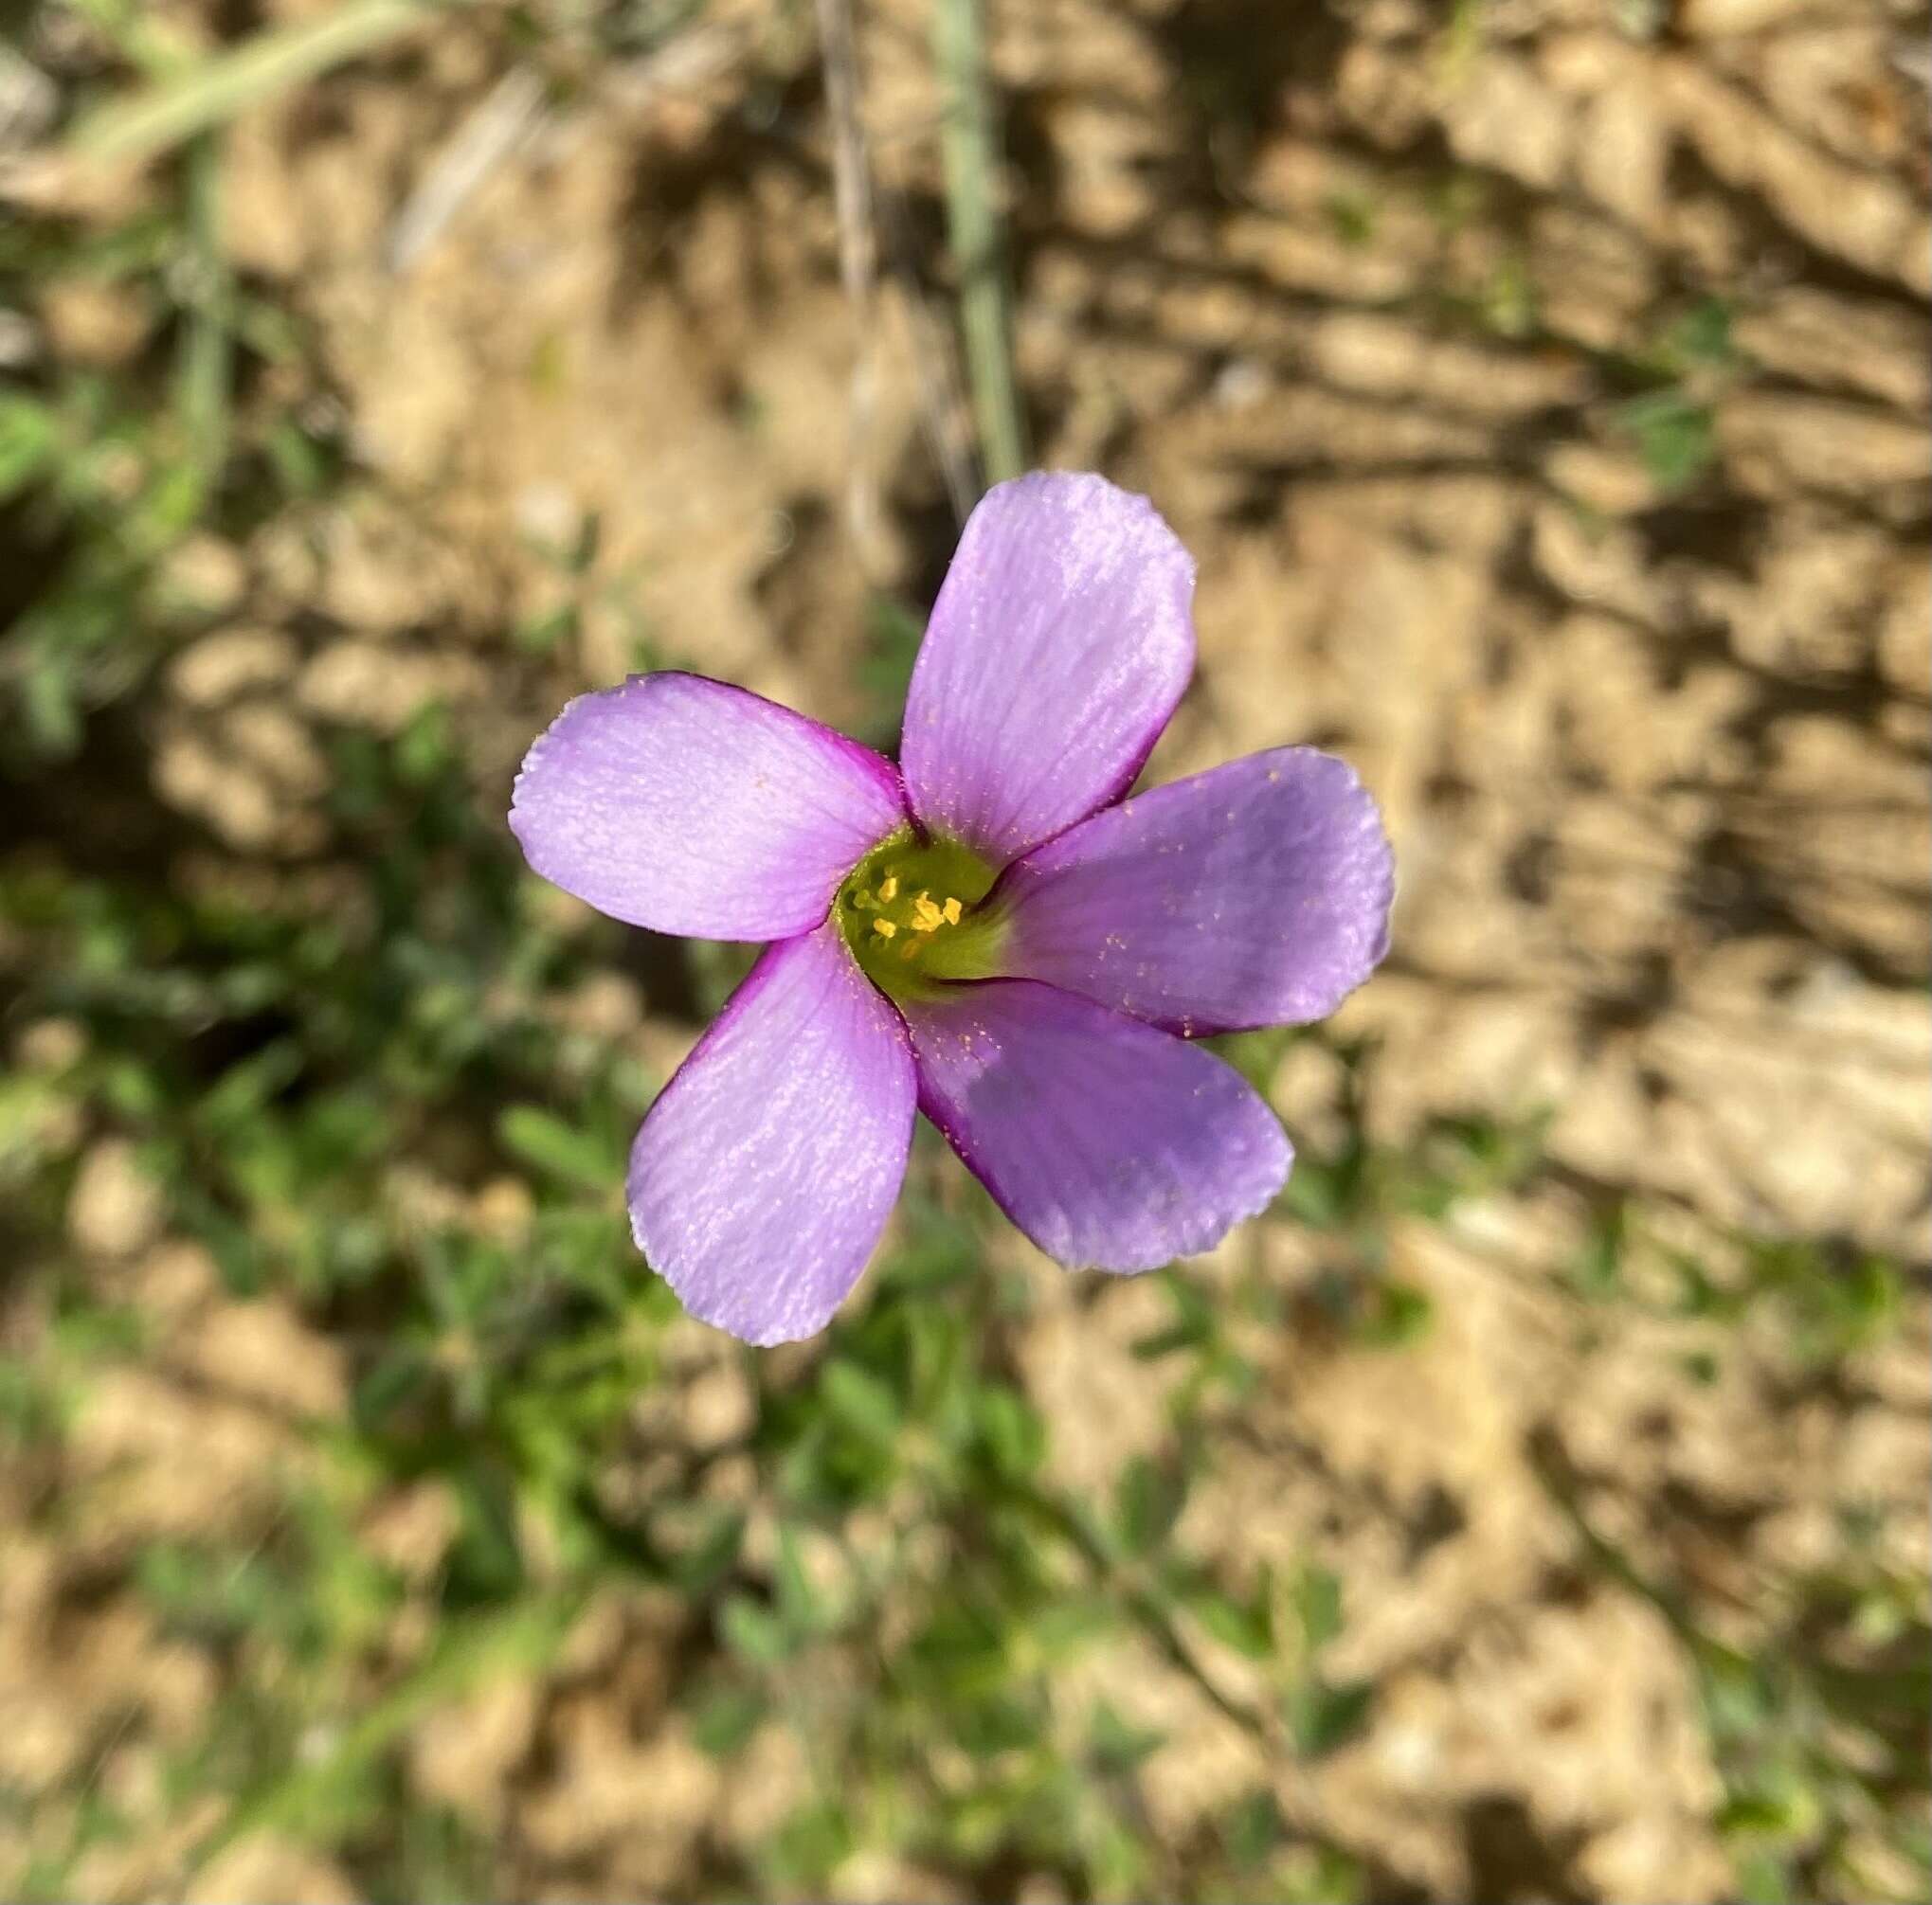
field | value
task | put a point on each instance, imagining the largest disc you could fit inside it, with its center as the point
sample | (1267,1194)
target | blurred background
(1532,1507)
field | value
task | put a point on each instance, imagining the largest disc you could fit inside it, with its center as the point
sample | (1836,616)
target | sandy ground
(1363,302)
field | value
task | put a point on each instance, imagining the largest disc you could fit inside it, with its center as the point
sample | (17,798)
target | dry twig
(508,115)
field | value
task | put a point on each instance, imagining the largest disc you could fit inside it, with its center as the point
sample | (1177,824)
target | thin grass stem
(974,231)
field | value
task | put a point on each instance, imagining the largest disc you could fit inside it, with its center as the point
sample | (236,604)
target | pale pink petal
(1061,641)
(690,806)
(1111,1144)
(764,1174)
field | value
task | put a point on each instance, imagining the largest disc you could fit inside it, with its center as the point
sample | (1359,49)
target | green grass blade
(973,223)
(163,115)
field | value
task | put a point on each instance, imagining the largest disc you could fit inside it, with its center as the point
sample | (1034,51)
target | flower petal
(764,1173)
(1257,894)
(1061,641)
(1109,1144)
(690,806)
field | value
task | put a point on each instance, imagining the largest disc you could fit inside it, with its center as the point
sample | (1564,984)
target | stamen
(919,901)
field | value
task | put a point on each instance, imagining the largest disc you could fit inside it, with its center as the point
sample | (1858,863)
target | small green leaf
(1318,1603)
(709,1558)
(1351,216)
(1251,1829)
(859,1401)
(557,1148)
(1331,1192)
(797,1600)
(1755,1812)
(816,1839)
(726,1718)
(28,436)
(1323,1715)
(1148,1503)
(1400,1316)
(1761,1878)
(1118,1745)
(425,749)
(1248,1627)
(752,1631)
(1598,1271)
(1196,1320)
(1703,334)
(486,1559)
(893,629)
(1010,1431)
(546,632)
(1675,434)
(582,553)
(999,1723)
(1700,1366)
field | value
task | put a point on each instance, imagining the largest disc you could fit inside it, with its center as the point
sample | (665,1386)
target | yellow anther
(926,916)
(888,889)
(884,928)
(951,911)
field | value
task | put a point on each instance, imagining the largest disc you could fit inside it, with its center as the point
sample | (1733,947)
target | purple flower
(987,933)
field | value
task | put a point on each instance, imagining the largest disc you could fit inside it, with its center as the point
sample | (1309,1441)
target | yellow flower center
(911,912)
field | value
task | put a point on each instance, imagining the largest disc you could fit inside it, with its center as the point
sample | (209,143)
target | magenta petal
(1061,641)
(1257,894)
(1109,1144)
(689,806)
(764,1174)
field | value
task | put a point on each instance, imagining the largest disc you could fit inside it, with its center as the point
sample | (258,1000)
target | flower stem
(973,227)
